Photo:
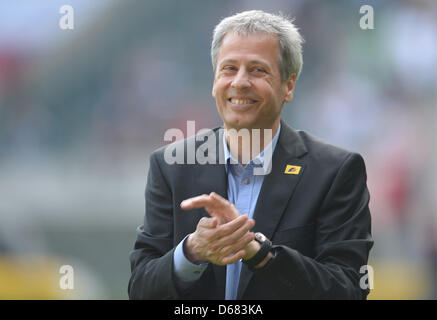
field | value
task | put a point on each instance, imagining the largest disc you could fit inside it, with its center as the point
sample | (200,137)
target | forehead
(253,47)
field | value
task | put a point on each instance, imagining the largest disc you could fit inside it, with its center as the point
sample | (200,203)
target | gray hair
(256,21)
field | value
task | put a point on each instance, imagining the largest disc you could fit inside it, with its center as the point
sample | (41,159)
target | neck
(245,144)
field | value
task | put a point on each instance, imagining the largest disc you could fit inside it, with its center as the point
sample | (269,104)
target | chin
(238,124)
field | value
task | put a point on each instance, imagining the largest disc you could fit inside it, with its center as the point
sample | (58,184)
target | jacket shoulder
(176,155)
(324,152)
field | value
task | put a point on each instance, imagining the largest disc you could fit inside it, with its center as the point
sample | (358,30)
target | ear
(289,87)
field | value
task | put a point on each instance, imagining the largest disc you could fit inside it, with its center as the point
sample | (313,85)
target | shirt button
(246,181)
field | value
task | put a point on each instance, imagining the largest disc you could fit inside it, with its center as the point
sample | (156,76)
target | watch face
(260,237)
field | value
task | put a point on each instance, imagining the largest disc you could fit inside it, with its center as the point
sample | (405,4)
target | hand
(219,244)
(224,211)
(215,205)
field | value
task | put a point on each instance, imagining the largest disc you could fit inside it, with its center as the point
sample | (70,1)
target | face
(248,89)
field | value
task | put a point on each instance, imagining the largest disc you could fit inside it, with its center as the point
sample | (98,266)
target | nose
(241,80)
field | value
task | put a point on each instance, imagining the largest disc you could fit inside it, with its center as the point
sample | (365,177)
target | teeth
(241,101)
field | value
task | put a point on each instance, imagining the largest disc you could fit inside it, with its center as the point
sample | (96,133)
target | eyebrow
(250,62)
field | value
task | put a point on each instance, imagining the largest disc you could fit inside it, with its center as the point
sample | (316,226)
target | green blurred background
(82,109)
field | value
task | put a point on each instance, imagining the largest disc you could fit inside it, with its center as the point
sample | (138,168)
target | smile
(241,101)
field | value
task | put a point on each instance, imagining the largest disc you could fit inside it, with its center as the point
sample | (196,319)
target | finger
(214,204)
(196,202)
(223,207)
(233,258)
(217,197)
(218,202)
(235,236)
(238,245)
(223,230)
(228,228)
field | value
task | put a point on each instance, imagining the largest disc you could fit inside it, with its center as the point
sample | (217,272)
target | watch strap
(266,247)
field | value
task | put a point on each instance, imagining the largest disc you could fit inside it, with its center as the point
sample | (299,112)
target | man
(220,231)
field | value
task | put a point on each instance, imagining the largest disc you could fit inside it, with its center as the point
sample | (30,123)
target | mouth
(241,102)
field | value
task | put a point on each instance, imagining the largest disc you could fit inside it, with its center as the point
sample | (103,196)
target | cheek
(271,95)
(217,90)
(214,90)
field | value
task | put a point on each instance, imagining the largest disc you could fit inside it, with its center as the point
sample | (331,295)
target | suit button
(246,181)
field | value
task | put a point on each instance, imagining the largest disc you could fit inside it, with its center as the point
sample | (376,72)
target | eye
(229,68)
(259,69)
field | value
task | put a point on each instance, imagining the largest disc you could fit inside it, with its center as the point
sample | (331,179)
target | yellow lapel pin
(289,169)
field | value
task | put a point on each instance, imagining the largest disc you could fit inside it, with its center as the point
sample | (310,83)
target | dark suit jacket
(318,221)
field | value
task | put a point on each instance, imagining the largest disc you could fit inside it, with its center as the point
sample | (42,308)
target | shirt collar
(259,160)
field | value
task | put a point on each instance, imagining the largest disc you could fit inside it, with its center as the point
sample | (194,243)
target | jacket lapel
(276,190)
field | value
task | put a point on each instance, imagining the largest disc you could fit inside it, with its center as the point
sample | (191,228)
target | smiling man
(301,230)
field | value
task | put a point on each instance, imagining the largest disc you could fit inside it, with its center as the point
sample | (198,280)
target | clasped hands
(223,238)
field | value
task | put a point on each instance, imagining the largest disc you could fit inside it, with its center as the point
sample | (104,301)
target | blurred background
(81,110)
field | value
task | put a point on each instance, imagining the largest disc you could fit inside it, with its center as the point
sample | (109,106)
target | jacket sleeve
(152,257)
(342,244)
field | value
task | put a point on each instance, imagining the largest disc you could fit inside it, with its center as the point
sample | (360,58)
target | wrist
(251,249)
(258,252)
(264,262)
(189,251)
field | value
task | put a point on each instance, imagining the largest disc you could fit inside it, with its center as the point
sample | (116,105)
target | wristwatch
(266,247)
